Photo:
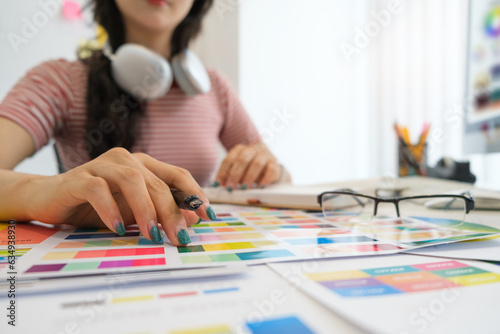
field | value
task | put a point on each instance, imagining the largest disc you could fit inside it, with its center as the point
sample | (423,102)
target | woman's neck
(158,42)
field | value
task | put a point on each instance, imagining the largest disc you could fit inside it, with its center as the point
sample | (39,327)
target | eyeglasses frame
(469,201)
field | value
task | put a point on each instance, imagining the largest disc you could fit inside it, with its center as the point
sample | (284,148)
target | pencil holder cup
(412,159)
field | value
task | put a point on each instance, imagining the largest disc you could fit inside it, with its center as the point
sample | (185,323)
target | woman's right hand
(118,189)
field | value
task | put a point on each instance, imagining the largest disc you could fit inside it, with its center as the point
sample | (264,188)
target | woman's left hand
(246,165)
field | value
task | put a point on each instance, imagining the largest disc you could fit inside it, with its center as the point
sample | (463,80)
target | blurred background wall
(324,80)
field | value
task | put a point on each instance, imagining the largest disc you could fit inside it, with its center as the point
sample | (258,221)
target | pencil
(185,201)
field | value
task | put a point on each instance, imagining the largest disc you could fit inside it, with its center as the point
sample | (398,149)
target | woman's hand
(119,188)
(246,165)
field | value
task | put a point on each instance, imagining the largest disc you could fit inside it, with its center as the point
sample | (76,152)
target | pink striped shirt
(50,102)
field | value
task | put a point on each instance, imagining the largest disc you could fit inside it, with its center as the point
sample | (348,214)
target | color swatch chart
(408,234)
(400,293)
(272,235)
(200,304)
(250,237)
(4,256)
(403,279)
(26,233)
(289,324)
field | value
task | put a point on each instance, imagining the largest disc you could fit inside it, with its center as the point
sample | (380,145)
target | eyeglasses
(350,208)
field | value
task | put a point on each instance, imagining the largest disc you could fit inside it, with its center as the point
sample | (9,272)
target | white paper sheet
(404,294)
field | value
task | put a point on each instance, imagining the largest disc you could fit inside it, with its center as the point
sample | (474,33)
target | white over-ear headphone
(146,75)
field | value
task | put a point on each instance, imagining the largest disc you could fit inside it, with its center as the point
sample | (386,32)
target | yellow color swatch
(131,299)
(215,247)
(476,279)
(205,330)
(125,242)
(242,229)
(215,224)
(337,275)
(239,245)
(263,243)
(59,255)
(232,236)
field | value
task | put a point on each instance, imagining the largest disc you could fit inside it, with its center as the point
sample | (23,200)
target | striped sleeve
(238,128)
(40,101)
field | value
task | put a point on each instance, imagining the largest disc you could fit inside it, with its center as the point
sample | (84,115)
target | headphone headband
(146,75)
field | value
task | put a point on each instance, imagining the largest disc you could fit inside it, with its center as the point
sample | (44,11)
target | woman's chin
(156,24)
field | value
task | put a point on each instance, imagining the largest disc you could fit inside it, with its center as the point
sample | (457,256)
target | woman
(123,155)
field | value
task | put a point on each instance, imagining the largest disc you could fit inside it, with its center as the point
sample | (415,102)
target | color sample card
(403,279)
(5,254)
(26,233)
(250,237)
(289,324)
(219,304)
(403,293)
(416,231)
(293,325)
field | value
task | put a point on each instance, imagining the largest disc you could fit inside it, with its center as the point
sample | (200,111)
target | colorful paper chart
(403,279)
(4,255)
(242,236)
(26,233)
(416,231)
(202,304)
(290,324)
(400,293)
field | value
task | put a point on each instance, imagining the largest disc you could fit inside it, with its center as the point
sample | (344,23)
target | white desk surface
(44,313)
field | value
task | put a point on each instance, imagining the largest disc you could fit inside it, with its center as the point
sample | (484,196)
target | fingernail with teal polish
(262,186)
(244,187)
(120,229)
(215,184)
(158,242)
(154,232)
(183,237)
(199,221)
(211,214)
(230,189)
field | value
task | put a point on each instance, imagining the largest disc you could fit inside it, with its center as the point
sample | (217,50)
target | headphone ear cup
(141,72)
(190,74)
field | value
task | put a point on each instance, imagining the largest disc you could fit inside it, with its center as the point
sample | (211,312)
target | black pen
(185,201)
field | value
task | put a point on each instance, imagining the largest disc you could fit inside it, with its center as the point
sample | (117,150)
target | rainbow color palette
(228,236)
(88,254)
(242,236)
(492,23)
(225,246)
(222,229)
(394,293)
(105,243)
(330,240)
(403,279)
(243,256)
(190,293)
(218,224)
(307,233)
(4,255)
(288,324)
(408,234)
(108,234)
(77,266)
(282,227)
